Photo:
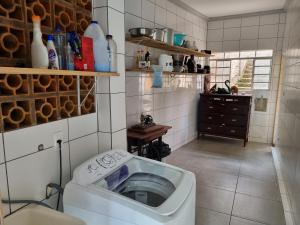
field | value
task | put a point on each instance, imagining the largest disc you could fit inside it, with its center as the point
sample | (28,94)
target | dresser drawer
(237,132)
(238,100)
(235,109)
(212,118)
(236,121)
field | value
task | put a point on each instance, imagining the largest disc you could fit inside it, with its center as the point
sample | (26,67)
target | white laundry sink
(40,215)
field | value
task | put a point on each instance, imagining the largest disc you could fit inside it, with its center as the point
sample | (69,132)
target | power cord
(60,172)
(50,186)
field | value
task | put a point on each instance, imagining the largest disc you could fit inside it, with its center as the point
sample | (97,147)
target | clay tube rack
(34,96)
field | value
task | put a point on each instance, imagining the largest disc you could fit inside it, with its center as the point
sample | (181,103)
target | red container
(87,53)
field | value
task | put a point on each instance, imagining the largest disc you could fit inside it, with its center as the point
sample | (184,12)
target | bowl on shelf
(178,39)
(141,32)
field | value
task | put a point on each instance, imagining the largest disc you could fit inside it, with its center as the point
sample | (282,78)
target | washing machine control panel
(100,166)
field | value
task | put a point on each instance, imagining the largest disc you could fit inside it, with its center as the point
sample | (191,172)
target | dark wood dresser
(224,115)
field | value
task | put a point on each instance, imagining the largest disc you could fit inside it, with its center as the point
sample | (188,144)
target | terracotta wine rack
(28,100)
(16,24)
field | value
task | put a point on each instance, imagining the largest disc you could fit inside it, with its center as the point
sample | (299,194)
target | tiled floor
(235,185)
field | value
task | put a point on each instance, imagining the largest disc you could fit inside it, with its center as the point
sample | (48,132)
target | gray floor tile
(240,221)
(258,209)
(216,179)
(258,188)
(214,199)
(208,217)
(265,173)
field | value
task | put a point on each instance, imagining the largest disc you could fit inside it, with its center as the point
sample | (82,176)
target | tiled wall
(25,171)
(253,33)
(288,129)
(176,103)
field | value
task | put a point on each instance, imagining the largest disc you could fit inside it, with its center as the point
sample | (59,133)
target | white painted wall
(175,104)
(253,33)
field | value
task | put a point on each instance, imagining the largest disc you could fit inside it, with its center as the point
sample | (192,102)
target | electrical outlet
(57,136)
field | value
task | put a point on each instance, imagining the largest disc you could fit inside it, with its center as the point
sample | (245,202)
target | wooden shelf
(36,71)
(164,72)
(164,46)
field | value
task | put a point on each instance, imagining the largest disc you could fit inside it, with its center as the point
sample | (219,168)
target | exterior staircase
(245,81)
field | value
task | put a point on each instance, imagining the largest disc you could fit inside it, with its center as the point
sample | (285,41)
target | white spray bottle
(52,54)
(39,53)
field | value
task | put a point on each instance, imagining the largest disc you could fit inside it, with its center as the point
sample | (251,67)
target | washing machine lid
(100,166)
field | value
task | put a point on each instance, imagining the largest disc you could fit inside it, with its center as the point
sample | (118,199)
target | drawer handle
(234,120)
(210,118)
(229,100)
(232,131)
(222,115)
(211,107)
(222,104)
(209,128)
(235,109)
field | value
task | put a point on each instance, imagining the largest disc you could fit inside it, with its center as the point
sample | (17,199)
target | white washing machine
(118,188)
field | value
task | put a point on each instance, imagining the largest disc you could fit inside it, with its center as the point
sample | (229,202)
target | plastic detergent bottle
(52,54)
(70,58)
(112,53)
(100,44)
(39,53)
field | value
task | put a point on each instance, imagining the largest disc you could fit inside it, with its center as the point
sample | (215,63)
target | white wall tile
(232,34)
(32,137)
(281,30)
(104,116)
(1,150)
(117,84)
(250,21)
(269,19)
(104,141)
(76,128)
(148,10)
(171,7)
(282,18)
(83,149)
(215,24)
(171,20)
(215,46)
(268,31)
(119,140)
(249,32)
(134,7)
(161,3)
(116,4)
(232,23)
(248,44)
(100,15)
(132,21)
(270,43)
(160,16)
(116,28)
(215,35)
(118,112)
(148,24)
(3,188)
(29,176)
(231,45)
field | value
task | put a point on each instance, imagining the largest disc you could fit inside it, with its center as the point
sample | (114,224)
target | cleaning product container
(52,54)
(101,56)
(178,39)
(112,54)
(39,52)
(60,43)
(157,76)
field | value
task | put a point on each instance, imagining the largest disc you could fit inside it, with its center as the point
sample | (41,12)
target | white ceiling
(217,8)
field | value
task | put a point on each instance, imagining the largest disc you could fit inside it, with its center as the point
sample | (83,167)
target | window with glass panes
(248,70)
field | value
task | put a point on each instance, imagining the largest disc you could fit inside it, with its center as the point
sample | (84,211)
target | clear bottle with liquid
(60,43)
(112,53)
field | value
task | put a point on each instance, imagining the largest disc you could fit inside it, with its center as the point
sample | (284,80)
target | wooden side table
(140,138)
